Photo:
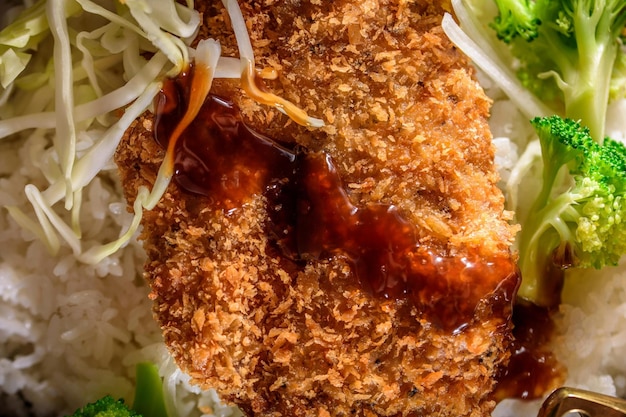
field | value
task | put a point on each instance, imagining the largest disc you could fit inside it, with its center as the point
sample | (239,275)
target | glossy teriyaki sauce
(533,370)
(311,217)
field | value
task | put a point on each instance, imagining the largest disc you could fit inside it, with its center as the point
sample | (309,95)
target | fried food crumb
(406,123)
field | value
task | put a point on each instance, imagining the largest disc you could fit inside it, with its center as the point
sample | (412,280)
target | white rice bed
(71,333)
(590,336)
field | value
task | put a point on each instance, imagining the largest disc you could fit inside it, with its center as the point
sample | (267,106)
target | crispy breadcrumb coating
(406,124)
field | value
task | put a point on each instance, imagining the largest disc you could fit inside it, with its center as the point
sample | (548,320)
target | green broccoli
(148,402)
(579,226)
(106,407)
(566,49)
(516,18)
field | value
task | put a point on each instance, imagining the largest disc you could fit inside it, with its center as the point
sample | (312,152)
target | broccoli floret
(566,49)
(580,226)
(149,399)
(516,18)
(105,407)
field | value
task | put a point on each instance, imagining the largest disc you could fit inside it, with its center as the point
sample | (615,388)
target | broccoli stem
(540,242)
(588,85)
(588,79)
(149,400)
(543,280)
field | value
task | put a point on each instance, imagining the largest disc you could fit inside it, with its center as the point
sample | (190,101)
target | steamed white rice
(70,332)
(590,335)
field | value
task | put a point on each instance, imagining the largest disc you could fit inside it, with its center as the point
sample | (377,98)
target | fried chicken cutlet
(362,268)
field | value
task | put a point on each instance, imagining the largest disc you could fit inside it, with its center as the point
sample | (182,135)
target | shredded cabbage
(24,34)
(82,97)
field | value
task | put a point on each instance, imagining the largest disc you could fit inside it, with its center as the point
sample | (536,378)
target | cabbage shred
(73,96)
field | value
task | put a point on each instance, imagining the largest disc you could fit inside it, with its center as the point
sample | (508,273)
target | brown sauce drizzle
(312,218)
(235,164)
(383,249)
(533,370)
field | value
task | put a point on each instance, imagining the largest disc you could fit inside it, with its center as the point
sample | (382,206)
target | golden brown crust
(397,97)
(406,125)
